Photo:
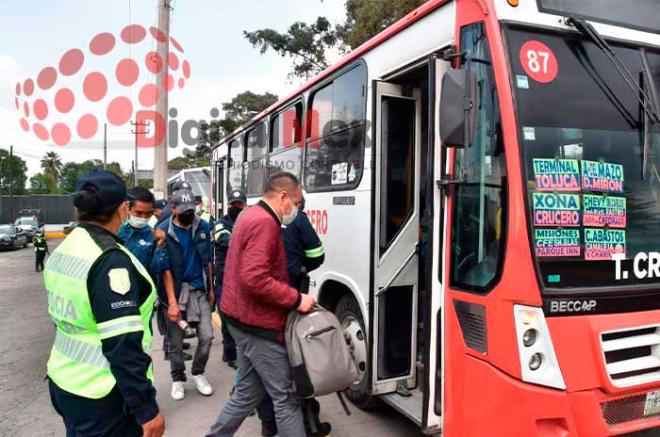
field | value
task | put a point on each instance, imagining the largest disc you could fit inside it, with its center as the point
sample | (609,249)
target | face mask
(234,211)
(186,218)
(198,210)
(287,219)
(137,222)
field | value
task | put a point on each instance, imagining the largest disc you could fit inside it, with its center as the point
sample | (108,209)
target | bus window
(286,128)
(335,146)
(235,165)
(398,166)
(256,160)
(286,141)
(480,196)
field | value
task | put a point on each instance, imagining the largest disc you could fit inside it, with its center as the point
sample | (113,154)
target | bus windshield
(591,156)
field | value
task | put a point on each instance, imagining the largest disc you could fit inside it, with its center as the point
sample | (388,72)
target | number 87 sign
(538,61)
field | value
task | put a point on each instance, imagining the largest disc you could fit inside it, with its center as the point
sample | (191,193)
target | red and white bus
(484,177)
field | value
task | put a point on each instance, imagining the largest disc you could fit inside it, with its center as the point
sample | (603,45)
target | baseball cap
(179,185)
(183,200)
(106,186)
(237,196)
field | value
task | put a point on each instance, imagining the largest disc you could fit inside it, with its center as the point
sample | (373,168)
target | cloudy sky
(36,34)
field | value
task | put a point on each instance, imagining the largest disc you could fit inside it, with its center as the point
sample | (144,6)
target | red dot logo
(70,99)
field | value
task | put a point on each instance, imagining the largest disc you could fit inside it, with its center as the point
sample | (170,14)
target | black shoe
(323,430)
(268,429)
(186,346)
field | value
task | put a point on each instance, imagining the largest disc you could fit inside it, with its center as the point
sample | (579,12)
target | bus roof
(378,39)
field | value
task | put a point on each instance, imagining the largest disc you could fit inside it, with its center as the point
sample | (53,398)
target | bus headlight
(529,337)
(538,362)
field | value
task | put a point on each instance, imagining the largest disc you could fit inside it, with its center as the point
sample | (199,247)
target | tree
(13,173)
(366,18)
(52,166)
(305,43)
(72,171)
(42,183)
(246,105)
(179,163)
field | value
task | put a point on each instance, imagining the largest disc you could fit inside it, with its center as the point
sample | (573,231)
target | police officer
(221,236)
(302,246)
(101,299)
(40,251)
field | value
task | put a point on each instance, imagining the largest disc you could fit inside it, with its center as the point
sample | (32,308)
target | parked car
(30,224)
(13,237)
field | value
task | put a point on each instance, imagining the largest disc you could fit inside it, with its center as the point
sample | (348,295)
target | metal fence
(55,208)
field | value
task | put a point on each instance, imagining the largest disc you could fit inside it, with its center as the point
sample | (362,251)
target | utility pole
(160,151)
(11,183)
(105,146)
(137,131)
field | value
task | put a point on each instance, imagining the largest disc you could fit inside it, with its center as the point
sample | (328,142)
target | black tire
(360,394)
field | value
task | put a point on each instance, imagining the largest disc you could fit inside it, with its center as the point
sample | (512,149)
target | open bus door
(219,187)
(396,261)
(434,379)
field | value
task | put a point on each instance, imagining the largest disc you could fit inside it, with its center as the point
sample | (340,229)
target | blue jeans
(263,367)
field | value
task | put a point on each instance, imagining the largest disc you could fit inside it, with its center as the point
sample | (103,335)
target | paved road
(25,340)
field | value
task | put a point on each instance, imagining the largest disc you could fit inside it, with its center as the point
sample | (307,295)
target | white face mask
(287,219)
(138,222)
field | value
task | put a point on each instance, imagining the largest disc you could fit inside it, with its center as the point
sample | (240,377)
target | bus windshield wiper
(648,125)
(640,94)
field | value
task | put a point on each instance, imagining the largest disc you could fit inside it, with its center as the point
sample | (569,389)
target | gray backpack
(321,362)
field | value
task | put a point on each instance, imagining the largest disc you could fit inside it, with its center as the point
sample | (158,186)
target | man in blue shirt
(188,285)
(138,236)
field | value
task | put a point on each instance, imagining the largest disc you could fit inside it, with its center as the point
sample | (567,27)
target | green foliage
(42,183)
(246,105)
(305,43)
(52,166)
(179,163)
(13,173)
(366,18)
(72,171)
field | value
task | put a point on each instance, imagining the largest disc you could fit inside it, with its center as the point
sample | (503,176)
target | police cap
(180,184)
(107,187)
(236,196)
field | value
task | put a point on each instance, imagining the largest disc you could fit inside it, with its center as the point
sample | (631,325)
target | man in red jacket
(256,299)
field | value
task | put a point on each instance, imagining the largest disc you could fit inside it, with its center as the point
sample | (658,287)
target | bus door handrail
(398,272)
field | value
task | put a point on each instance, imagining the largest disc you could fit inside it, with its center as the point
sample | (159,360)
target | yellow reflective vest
(76,363)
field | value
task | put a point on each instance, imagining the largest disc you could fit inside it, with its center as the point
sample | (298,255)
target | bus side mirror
(458,108)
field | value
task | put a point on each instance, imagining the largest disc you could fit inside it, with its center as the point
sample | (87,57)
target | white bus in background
(200,183)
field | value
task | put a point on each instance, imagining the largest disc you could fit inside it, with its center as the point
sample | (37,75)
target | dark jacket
(303,248)
(201,239)
(141,243)
(256,296)
(221,237)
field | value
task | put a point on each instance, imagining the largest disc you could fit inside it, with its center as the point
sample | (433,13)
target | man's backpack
(321,362)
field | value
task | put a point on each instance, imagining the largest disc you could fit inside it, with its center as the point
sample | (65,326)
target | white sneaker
(178,391)
(203,385)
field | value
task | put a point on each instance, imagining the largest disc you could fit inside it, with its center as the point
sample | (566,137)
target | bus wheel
(349,315)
